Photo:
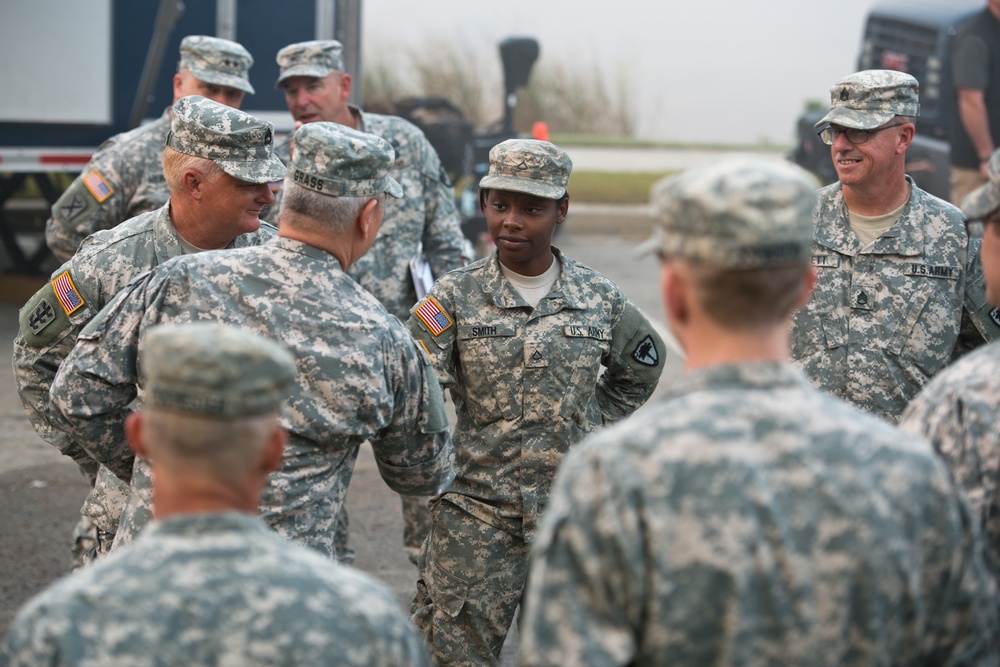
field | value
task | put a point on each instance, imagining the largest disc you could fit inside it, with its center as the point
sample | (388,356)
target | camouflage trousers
(472,575)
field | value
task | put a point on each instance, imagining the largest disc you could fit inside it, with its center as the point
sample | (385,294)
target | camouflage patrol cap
(316,58)
(242,145)
(214,369)
(531,166)
(735,214)
(869,99)
(335,160)
(216,60)
(985,199)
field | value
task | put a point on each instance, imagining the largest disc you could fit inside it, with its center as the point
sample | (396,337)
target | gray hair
(176,163)
(306,208)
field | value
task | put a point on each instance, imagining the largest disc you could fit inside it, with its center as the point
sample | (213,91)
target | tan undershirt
(868,228)
(533,288)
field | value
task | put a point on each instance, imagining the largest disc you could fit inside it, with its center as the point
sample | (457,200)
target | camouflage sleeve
(633,365)
(99,378)
(583,604)
(980,320)
(31,639)
(443,240)
(414,452)
(48,326)
(432,325)
(97,199)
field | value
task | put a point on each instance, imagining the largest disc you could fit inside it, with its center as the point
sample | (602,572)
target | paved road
(655,159)
(41,492)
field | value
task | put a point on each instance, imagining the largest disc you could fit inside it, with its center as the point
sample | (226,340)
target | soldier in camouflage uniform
(423,221)
(208,583)
(957,411)
(219,162)
(900,290)
(125,177)
(360,375)
(750,519)
(520,338)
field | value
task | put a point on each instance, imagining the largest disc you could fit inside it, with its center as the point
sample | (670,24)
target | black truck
(913,36)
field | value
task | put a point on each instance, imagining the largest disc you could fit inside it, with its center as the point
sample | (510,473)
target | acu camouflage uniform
(360,375)
(750,519)
(527,384)
(53,318)
(957,411)
(214,589)
(882,322)
(424,221)
(125,175)
(884,319)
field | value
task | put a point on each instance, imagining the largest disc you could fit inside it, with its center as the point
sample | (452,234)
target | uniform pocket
(448,591)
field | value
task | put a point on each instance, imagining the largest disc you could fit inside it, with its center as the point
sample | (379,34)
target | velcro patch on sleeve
(41,320)
(645,352)
(66,293)
(434,317)
(97,185)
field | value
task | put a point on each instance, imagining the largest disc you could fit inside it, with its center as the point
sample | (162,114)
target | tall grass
(572,97)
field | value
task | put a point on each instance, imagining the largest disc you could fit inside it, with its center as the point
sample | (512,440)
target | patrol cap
(531,166)
(214,369)
(216,60)
(869,99)
(242,145)
(316,58)
(739,213)
(335,160)
(986,198)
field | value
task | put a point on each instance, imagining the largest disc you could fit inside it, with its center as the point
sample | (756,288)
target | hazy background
(709,70)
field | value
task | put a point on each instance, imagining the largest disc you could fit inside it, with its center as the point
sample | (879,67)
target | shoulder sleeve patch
(66,293)
(41,319)
(434,318)
(646,352)
(97,186)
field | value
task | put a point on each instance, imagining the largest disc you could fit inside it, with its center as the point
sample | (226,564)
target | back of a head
(207,389)
(218,61)
(745,227)
(335,170)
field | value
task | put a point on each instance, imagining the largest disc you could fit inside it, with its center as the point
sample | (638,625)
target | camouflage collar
(833,227)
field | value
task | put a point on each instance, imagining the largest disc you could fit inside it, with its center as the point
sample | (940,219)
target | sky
(701,70)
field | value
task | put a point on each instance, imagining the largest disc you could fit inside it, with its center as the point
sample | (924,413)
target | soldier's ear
(133,434)
(370,219)
(192,181)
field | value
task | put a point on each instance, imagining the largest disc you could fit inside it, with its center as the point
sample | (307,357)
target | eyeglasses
(829,133)
(976,227)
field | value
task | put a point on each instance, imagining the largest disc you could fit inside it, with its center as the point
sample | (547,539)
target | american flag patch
(430,313)
(66,293)
(97,185)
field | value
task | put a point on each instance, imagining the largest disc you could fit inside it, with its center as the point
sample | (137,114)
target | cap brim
(982,201)
(525,185)
(860,120)
(650,246)
(314,71)
(219,79)
(254,171)
(393,188)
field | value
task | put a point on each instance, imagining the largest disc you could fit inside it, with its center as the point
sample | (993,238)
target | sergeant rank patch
(67,294)
(434,318)
(645,352)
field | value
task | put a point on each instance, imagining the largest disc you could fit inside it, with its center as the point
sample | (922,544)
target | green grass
(600,141)
(618,187)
